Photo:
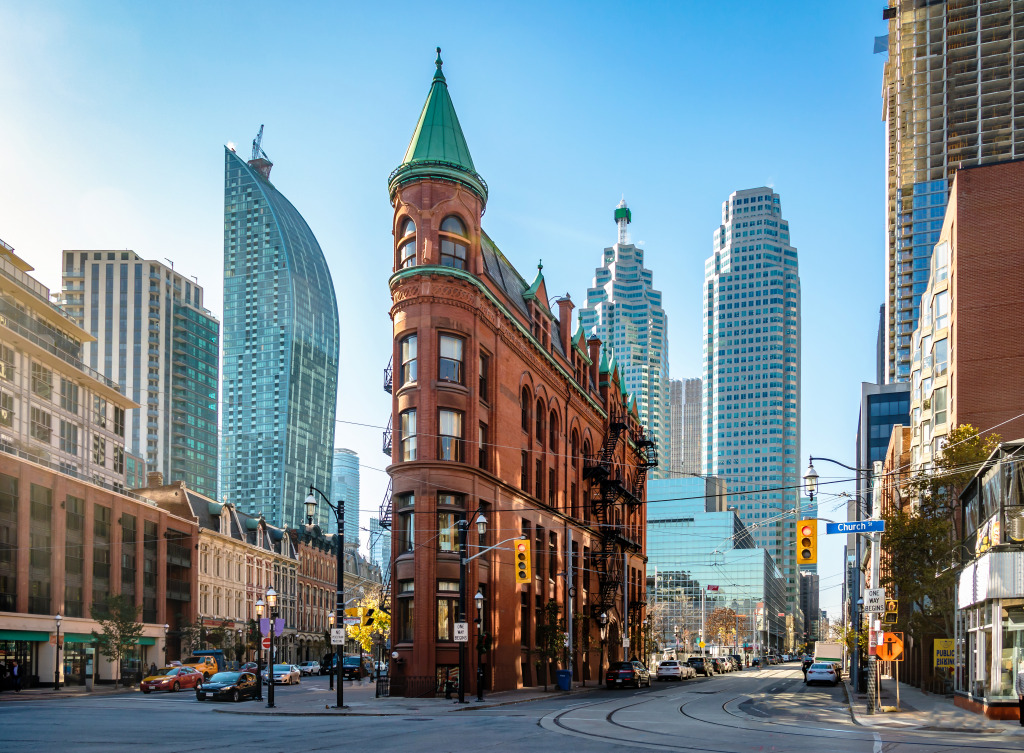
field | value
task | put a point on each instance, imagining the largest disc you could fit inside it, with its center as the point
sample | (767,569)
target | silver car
(671,669)
(284,674)
(309,668)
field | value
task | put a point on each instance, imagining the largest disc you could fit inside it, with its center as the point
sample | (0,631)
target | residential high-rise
(345,488)
(948,101)
(156,339)
(280,350)
(624,310)
(751,387)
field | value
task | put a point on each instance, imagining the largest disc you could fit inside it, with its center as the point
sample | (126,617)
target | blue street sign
(856,526)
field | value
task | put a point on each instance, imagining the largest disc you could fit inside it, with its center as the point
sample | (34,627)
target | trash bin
(564,679)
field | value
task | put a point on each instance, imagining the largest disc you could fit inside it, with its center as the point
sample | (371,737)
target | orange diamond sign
(890,647)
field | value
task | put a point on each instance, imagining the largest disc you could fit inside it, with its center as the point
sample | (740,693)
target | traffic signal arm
(807,542)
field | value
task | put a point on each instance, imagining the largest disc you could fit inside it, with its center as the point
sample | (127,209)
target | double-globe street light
(339,514)
(259,650)
(56,656)
(481,528)
(602,624)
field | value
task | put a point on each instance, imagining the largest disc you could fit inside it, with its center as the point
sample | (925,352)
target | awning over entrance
(24,635)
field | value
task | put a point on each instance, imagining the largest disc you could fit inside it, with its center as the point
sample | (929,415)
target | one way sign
(874,600)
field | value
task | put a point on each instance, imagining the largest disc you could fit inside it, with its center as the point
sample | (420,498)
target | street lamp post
(602,622)
(259,650)
(339,514)
(166,628)
(330,670)
(481,527)
(239,631)
(56,656)
(479,599)
(272,613)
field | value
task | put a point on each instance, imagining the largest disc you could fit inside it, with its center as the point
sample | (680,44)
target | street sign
(874,600)
(856,526)
(350,621)
(944,654)
(265,626)
(890,648)
(337,636)
(266,641)
(625,642)
(701,644)
(462,632)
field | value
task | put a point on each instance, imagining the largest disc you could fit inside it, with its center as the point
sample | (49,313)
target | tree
(721,623)
(922,537)
(551,635)
(118,617)
(379,623)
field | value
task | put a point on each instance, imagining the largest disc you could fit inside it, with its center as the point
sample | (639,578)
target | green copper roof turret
(603,368)
(438,148)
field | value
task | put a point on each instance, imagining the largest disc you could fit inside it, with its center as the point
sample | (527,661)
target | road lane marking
(878,743)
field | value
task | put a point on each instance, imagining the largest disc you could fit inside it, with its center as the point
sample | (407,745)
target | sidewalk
(46,692)
(924,711)
(360,701)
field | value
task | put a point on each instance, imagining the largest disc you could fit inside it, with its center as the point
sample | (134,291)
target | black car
(737,661)
(622,673)
(229,686)
(702,666)
(352,668)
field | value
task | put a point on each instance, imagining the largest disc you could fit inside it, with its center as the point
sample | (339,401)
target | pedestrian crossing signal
(523,567)
(807,542)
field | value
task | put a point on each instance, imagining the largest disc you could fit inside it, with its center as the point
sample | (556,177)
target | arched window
(553,432)
(524,405)
(407,245)
(539,417)
(453,243)
(574,449)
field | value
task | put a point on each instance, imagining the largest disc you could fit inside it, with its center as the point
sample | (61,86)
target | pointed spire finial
(439,74)
(540,265)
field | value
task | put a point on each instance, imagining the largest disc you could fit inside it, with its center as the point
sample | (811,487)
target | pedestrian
(152,669)
(1019,687)
(16,676)
(3,676)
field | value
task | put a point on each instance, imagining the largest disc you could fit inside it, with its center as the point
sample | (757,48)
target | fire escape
(384,515)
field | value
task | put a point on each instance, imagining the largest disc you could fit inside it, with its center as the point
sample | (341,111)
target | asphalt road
(760,711)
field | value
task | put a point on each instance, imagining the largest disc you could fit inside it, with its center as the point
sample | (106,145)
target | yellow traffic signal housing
(367,617)
(807,542)
(524,568)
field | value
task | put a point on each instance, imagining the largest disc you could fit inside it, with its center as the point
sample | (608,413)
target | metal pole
(463,525)
(625,606)
(270,664)
(569,594)
(339,618)
(56,660)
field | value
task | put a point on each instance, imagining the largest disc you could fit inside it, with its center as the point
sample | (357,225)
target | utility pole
(570,592)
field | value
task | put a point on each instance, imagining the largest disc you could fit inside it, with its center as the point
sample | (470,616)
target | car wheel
(236,696)
(175,687)
(200,696)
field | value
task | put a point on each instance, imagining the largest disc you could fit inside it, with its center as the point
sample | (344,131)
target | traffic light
(523,568)
(807,542)
(367,617)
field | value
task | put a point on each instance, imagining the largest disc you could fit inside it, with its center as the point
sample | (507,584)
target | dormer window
(407,245)
(453,243)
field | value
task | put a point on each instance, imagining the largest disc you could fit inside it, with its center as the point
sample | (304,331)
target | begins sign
(945,653)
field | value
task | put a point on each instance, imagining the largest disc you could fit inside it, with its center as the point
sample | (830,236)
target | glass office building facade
(345,489)
(280,351)
(693,544)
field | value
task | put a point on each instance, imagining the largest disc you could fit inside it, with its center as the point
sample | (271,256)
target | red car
(173,679)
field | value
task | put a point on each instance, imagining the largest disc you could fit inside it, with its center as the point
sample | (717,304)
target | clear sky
(115,115)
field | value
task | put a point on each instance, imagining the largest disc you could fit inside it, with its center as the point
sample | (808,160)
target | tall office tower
(624,310)
(684,409)
(345,488)
(751,382)
(280,350)
(380,547)
(675,424)
(948,101)
(157,340)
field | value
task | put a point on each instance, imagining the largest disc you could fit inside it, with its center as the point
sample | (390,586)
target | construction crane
(257,148)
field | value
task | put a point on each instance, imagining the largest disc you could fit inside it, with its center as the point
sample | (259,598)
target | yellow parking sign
(944,653)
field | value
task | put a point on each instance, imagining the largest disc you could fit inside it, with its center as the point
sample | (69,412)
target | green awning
(76,637)
(144,641)
(24,635)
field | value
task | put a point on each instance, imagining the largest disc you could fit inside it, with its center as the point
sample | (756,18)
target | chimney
(565,307)
(154,479)
(594,346)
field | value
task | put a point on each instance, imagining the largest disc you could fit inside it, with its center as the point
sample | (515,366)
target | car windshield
(226,677)
(821,666)
(166,672)
(620,665)
(351,661)
(282,668)
(695,660)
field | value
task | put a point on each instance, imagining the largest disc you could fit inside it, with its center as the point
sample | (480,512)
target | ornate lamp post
(272,613)
(479,599)
(239,631)
(330,670)
(339,514)
(166,628)
(602,623)
(259,650)
(56,656)
(481,528)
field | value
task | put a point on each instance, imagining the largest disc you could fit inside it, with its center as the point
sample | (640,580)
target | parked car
(622,673)
(249,667)
(702,666)
(311,667)
(328,664)
(172,679)
(353,668)
(720,664)
(737,661)
(821,672)
(229,686)
(284,674)
(671,669)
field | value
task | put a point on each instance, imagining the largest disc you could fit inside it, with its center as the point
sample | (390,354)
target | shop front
(21,646)
(78,658)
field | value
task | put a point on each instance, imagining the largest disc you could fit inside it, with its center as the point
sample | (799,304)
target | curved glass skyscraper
(280,382)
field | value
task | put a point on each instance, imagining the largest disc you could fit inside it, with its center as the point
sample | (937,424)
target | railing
(416,686)
(388,376)
(386,447)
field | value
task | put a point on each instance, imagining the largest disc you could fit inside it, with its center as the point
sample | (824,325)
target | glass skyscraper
(280,351)
(624,310)
(345,488)
(157,340)
(751,383)
(694,542)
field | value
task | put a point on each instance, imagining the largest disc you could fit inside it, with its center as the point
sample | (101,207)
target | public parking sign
(874,600)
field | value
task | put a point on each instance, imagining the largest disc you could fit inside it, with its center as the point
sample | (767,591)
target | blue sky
(116,113)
